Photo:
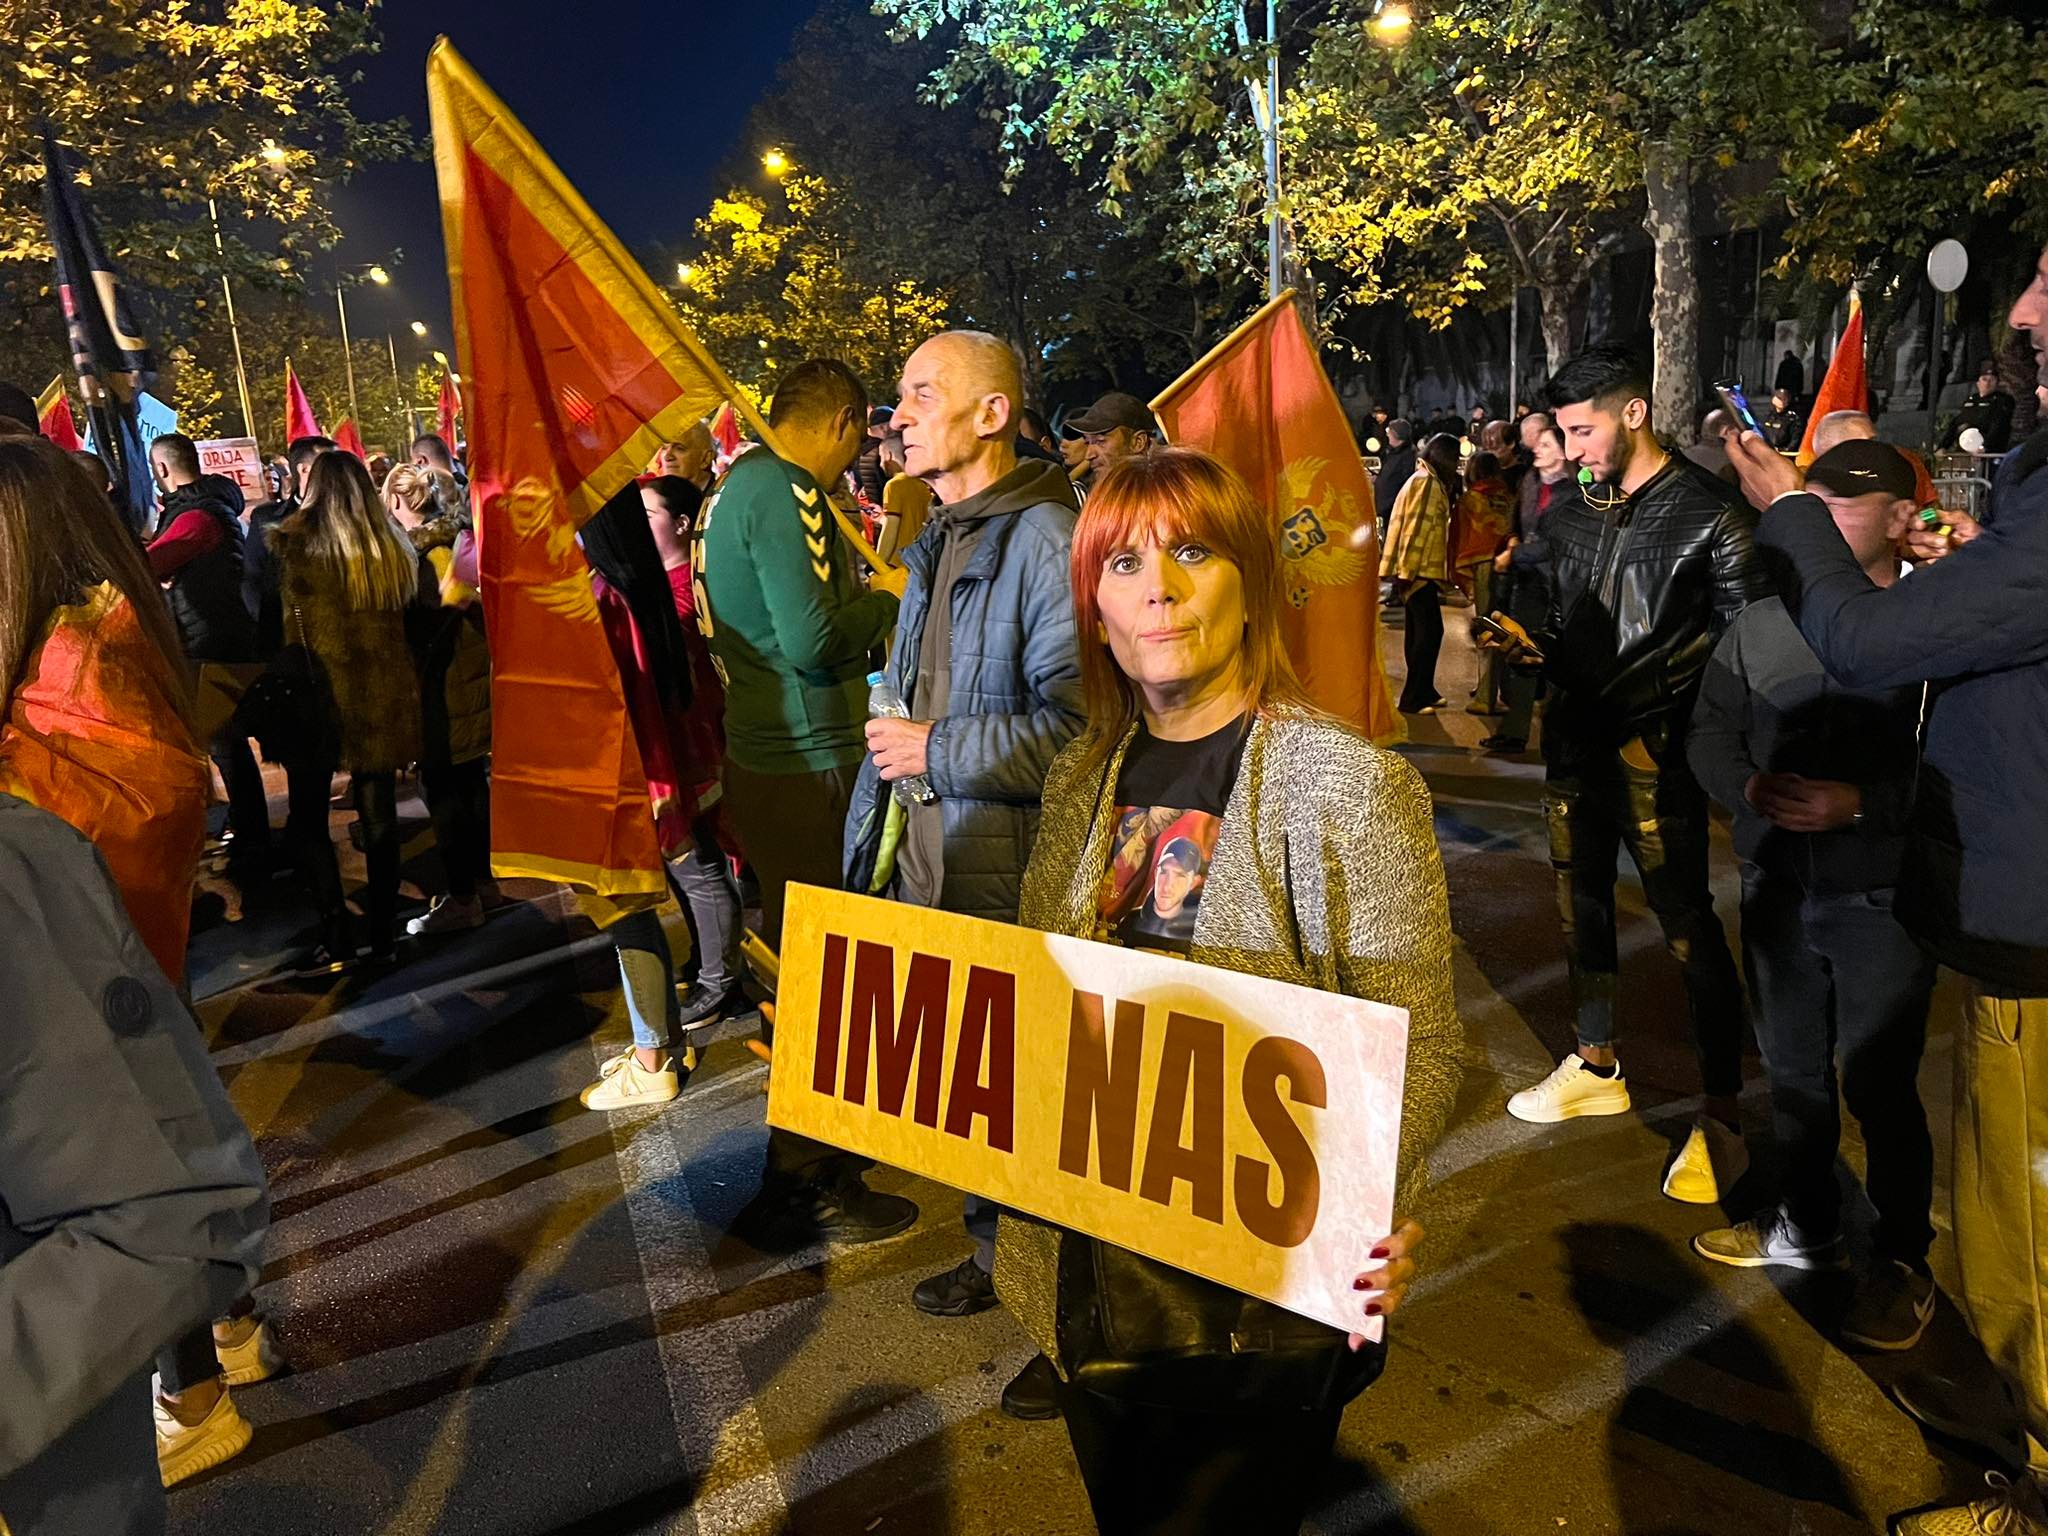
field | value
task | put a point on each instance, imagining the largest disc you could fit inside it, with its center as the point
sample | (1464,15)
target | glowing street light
(379,276)
(685,272)
(273,152)
(419,328)
(1393,23)
(775,163)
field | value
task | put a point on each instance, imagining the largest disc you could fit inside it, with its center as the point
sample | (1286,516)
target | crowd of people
(1092,727)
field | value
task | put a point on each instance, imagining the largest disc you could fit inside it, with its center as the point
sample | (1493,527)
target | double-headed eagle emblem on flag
(1317,520)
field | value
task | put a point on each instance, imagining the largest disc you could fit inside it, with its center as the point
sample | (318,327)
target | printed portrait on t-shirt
(1156,874)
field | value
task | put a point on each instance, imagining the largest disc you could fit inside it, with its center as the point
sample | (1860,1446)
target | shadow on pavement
(1724,1401)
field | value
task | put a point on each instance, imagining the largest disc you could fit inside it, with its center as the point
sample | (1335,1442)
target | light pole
(1272,156)
(227,292)
(378,275)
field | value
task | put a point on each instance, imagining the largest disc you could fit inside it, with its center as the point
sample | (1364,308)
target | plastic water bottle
(884,700)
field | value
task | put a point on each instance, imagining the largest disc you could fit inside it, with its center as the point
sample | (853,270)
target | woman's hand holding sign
(1389,1280)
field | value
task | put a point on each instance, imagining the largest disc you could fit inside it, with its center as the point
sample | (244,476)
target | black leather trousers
(1618,798)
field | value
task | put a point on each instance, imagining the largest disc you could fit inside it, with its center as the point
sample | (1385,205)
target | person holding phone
(1648,567)
(1972,622)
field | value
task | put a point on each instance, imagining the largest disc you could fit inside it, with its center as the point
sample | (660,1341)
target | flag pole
(1161,400)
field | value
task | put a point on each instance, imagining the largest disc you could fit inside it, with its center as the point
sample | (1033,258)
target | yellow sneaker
(622,1083)
(184,1450)
(249,1353)
(1708,1165)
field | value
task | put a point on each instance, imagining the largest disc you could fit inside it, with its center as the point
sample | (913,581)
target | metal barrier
(1968,494)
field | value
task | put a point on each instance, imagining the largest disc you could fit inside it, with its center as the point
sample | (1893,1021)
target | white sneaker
(184,1450)
(1711,1161)
(1569,1092)
(447,915)
(622,1083)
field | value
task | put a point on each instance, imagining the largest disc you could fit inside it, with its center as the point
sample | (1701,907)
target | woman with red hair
(1209,810)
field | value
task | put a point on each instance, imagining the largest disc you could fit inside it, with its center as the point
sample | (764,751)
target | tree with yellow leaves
(171,105)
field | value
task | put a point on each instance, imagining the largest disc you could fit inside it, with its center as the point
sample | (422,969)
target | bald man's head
(962,393)
(1841,427)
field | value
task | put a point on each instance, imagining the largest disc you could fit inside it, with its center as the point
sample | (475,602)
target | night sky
(638,102)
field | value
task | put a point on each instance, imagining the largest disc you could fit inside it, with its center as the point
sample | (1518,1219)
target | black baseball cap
(1864,467)
(1113,410)
(881,415)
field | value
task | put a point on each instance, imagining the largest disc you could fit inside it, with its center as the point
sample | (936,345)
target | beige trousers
(2001,1193)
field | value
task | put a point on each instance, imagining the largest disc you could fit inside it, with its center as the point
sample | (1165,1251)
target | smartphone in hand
(1511,637)
(1736,404)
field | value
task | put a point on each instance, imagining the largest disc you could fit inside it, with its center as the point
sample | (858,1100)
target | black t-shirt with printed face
(1170,798)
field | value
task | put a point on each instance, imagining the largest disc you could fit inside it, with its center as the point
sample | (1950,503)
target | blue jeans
(648,974)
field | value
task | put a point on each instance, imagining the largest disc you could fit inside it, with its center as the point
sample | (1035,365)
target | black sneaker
(1032,1392)
(1891,1308)
(961,1291)
(1980,1413)
(701,1008)
(1506,746)
(326,961)
(850,1212)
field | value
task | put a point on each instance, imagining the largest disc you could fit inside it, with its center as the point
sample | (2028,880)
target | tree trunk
(1554,301)
(1675,302)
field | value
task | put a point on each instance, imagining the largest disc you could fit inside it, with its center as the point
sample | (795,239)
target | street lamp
(273,152)
(1393,22)
(685,273)
(419,328)
(376,274)
(775,163)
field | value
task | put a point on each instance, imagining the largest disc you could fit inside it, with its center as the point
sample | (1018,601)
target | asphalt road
(508,1315)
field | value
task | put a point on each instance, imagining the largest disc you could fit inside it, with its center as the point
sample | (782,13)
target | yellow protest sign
(1240,1128)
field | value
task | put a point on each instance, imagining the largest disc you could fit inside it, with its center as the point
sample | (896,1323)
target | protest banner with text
(236,458)
(1243,1129)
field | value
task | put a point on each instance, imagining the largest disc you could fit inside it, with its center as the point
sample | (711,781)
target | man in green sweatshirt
(791,630)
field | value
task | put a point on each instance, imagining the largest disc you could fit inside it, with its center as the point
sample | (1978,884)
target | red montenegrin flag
(349,440)
(1261,403)
(725,434)
(445,412)
(577,370)
(1845,388)
(53,416)
(299,420)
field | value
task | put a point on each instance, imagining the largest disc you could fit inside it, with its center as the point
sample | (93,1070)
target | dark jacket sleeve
(1982,609)
(131,1201)
(1740,577)
(1005,757)
(1716,744)
(815,626)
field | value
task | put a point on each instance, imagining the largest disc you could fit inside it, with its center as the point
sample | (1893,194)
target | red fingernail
(1380,1252)
(1372,1309)
(1360,1285)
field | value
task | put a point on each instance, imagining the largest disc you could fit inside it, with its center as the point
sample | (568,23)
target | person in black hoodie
(1975,625)
(199,554)
(1647,568)
(1396,469)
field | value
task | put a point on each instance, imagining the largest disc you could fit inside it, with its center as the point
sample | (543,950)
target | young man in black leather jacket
(1647,570)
